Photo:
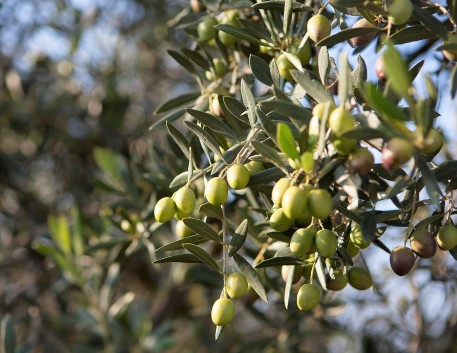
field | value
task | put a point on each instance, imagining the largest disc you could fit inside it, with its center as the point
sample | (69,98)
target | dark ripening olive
(423,243)
(318,27)
(361,161)
(360,278)
(451,54)
(400,11)
(402,260)
(380,68)
(363,39)
(338,283)
(308,297)
(447,237)
(222,312)
(396,152)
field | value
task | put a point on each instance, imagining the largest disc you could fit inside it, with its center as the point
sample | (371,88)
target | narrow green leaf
(197,58)
(179,138)
(269,153)
(359,75)
(8,336)
(213,123)
(323,64)
(60,232)
(381,245)
(181,179)
(364,133)
(397,71)
(182,258)
(430,21)
(368,227)
(280,261)
(238,238)
(260,70)
(346,34)
(235,108)
(266,176)
(294,60)
(447,46)
(286,142)
(205,137)
(288,6)
(411,34)
(177,244)
(201,228)
(278,5)
(170,117)
(177,102)
(218,332)
(268,126)
(275,73)
(249,102)
(202,255)
(240,33)
(446,171)
(312,86)
(431,183)
(251,275)
(344,79)
(453,81)
(182,60)
(210,210)
(429,220)
(288,109)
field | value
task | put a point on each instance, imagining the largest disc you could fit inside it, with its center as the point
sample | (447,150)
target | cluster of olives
(423,244)
(223,310)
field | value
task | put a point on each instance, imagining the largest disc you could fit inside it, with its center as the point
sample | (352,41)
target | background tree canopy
(82,169)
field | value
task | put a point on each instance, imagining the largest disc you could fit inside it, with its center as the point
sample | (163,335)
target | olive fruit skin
(284,67)
(216,191)
(447,237)
(319,109)
(308,297)
(279,221)
(341,121)
(451,54)
(285,270)
(185,201)
(361,161)
(351,249)
(400,11)
(294,202)
(238,176)
(183,231)
(318,28)
(302,241)
(236,285)
(220,68)
(164,210)
(380,68)
(343,145)
(320,203)
(206,30)
(363,39)
(423,243)
(432,143)
(396,152)
(359,278)
(278,190)
(304,53)
(225,38)
(254,167)
(326,242)
(402,260)
(222,312)
(337,284)
(356,237)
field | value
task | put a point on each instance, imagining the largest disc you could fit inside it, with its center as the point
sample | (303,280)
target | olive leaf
(251,275)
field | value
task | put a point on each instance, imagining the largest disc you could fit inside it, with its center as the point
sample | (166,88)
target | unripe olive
(319,109)
(185,201)
(308,297)
(236,285)
(341,121)
(304,219)
(164,209)
(396,152)
(222,312)
(307,268)
(451,54)
(302,241)
(182,230)
(447,237)
(254,167)
(278,190)
(360,278)
(432,143)
(400,11)
(227,39)
(380,68)
(295,202)
(357,239)
(338,283)
(318,27)
(402,260)
(284,67)
(279,221)
(214,106)
(303,54)
(361,161)
(423,243)
(206,30)
(343,145)
(363,39)
(238,176)
(216,191)
(326,242)
(351,249)
(320,203)
(285,270)
(220,68)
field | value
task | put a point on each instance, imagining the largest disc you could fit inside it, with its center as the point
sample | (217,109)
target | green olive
(320,203)
(222,312)
(400,11)
(341,121)
(236,285)
(338,283)
(185,201)
(284,67)
(238,176)
(357,238)
(326,242)
(216,191)
(164,210)
(318,27)
(423,243)
(295,202)
(360,278)
(447,237)
(396,152)
(278,190)
(183,231)
(279,221)
(302,241)
(206,30)
(308,297)
(254,167)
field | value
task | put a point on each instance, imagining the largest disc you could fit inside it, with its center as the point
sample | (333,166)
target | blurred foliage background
(78,83)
